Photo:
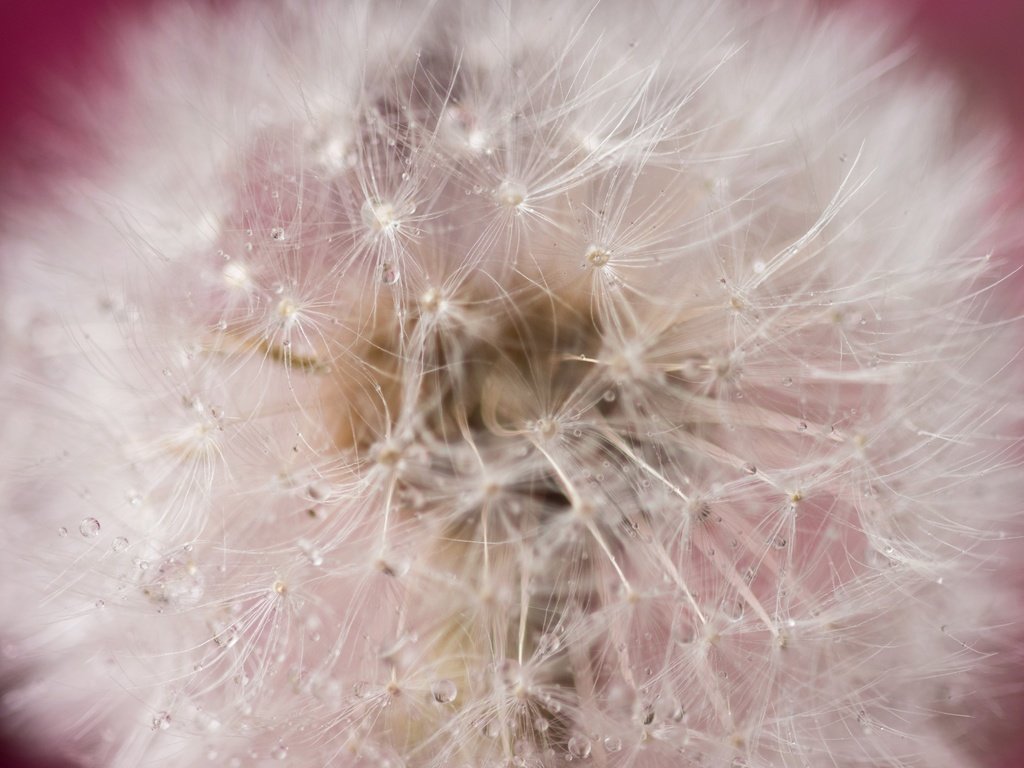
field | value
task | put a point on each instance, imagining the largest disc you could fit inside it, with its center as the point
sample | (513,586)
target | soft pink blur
(50,41)
(982,40)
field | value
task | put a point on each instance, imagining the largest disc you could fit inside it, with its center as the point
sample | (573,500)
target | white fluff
(485,384)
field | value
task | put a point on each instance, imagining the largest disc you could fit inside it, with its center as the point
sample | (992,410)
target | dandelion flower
(450,384)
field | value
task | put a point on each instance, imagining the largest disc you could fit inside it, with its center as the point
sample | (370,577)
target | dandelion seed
(511,194)
(597,256)
(379,216)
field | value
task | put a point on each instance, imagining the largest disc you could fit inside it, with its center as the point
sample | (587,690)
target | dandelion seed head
(484,385)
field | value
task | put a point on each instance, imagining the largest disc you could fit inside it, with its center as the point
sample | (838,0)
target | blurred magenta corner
(43,40)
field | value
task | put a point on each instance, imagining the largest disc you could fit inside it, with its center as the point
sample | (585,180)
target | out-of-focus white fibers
(495,384)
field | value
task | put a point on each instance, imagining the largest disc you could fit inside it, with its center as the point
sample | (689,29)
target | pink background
(981,40)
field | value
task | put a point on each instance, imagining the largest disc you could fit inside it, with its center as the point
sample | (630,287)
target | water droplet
(120,544)
(491,729)
(612,743)
(609,396)
(361,689)
(736,614)
(280,752)
(801,427)
(99,603)
(549,643)
(749,468)
(277,233)
(579,746)
(511,194)
(228,638)
(541,725)
(788,381)
(176,584)
(162,721)
(89,527)
(671,710)
(318,490)
(390,275)
(444,691)
(62,532)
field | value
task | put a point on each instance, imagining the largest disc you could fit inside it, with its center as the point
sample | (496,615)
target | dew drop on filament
(579,746)
(444,691)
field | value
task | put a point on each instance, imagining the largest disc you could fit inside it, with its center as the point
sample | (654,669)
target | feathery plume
(511,384)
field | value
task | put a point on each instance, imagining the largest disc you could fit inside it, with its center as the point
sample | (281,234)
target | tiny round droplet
(390,275)
(162,721)
(511,194)
(89,527)
(444,691)
(120,544)
(749,469)
(579,746)
(62,531)
(280,752)
(318,490)
(612,743)
(177,584)
(549,643)
(277,233)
